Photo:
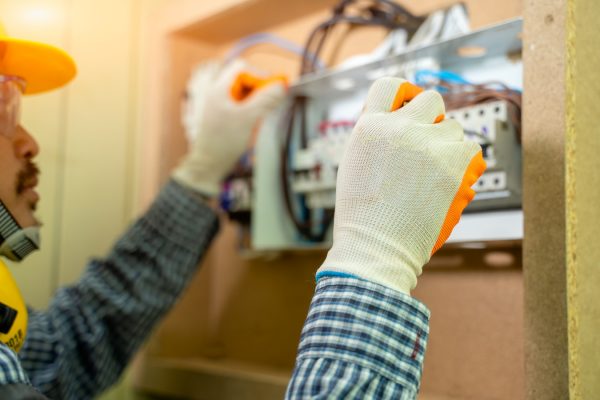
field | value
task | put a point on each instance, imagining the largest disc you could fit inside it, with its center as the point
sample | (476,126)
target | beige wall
(88,133)
(561,178)
(249,311)
(583,198)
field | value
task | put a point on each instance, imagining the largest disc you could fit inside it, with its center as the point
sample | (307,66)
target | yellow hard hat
(42,66)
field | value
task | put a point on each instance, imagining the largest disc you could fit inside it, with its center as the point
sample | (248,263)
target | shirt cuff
(369,325)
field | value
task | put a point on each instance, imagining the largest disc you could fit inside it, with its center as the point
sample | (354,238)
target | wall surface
(561,200)
(88,133)
(583,198)
(246,309)
(544,250)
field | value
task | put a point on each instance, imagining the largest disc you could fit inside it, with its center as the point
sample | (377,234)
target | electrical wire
(459,92)
(303,225)
(350,13)
(358,13)
(459,95)
(267,38)
(428,77)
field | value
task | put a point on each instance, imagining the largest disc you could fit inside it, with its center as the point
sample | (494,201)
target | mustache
(27,176)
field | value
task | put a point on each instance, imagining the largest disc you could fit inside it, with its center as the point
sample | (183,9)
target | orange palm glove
(224,107)
(402,185)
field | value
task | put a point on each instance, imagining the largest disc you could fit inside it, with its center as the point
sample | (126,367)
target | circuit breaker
(298,158)
(489,124)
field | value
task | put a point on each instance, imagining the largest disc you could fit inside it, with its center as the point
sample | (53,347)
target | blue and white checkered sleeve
(11,371)
(82,343)
(360,340)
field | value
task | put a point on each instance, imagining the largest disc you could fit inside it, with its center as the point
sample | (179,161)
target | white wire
(261,38)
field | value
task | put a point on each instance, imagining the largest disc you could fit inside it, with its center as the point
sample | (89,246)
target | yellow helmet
(42,66)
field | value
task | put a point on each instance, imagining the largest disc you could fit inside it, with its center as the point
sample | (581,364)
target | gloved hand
(401,188)
(224,113)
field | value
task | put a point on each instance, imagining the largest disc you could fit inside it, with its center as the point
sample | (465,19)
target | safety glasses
(11,89)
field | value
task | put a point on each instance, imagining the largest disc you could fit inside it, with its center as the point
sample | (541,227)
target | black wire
(461,95)
(304,227)
(372,13)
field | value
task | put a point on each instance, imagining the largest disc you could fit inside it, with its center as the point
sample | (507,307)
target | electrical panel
(488,124)
(294,176)
(315,168)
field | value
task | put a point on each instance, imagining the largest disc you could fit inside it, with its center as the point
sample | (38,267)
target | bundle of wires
(459,95)
(351,14)
(459,92)
(355,13)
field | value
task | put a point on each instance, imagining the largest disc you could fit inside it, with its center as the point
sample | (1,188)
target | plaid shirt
(360,340)
(80,345)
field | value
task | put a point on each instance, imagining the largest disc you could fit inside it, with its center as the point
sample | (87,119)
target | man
(402,186)
(80,345)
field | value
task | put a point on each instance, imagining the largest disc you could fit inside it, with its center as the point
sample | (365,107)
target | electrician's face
(18,173)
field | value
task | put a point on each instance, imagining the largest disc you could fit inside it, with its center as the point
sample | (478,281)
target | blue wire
(425,77)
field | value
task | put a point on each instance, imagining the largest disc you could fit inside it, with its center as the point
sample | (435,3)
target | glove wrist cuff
(400,278)
(200,184)
(373,260)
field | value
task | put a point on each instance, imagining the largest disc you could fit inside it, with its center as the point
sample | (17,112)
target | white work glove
(220,124)
(401,187)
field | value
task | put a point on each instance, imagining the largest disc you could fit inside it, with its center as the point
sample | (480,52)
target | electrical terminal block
(489,124)
(315,168)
